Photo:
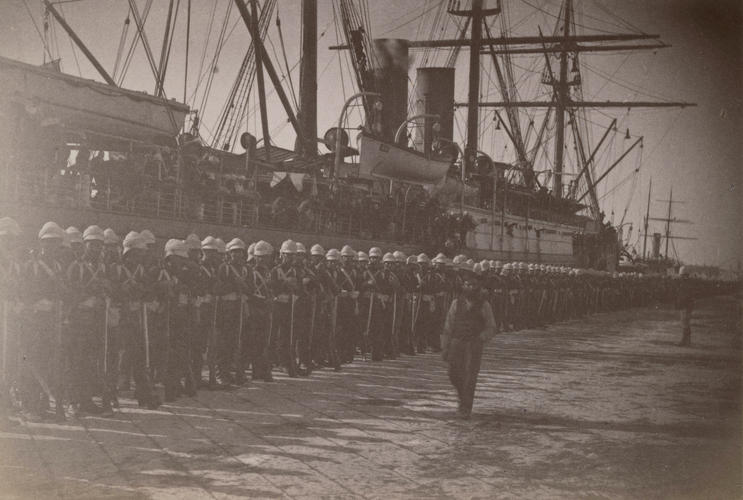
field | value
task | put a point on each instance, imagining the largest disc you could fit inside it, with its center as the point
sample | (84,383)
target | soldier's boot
(59,412)
(87,406)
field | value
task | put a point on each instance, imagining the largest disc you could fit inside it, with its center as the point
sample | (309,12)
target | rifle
(191,376)
(419,301)
(365,345)
(107,305)
(393,339)
(239,369)
(332,354)
(60,363)
(292,358)
(543,295)
(267,348)
(166,366)
(146,331)
(312,324)
(212,346)
(4,305)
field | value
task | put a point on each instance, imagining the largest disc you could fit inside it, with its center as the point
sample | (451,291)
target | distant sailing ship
(136,158)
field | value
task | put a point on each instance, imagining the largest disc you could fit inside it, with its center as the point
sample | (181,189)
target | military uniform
(42,371)
(90,289)
(206,342)
(234,288)
(285,288)
(10,304)
(261,306)
(347,281)
(131,293)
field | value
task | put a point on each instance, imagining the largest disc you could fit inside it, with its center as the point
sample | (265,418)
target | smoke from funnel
(390,68)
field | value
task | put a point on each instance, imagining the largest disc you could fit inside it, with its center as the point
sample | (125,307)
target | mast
(668,221)
(163,53)
(308,79)
(562,98)
(647,217)
(259,75)
(473,111)
(97,65)
(260,50)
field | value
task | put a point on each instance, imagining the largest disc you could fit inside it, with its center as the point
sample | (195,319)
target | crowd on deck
(88,315)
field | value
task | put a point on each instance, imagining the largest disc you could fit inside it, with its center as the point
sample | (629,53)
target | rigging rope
(203,52)
(135,42)
(38,32)
(122,44)
(286,61)
(215,58)
(231,116)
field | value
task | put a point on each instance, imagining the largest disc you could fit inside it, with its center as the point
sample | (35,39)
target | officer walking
(469,325)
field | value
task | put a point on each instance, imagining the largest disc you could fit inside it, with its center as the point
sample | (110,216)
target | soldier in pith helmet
(111,247)
(233,287)
(285,289)
(208,308)
(90,288)
(41,346)
(10,305)
(261,306)
(178,279)
(131,289)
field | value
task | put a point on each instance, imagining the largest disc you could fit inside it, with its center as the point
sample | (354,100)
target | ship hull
(509,237)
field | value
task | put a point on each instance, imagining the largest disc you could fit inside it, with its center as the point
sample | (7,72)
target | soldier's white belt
(89,303)
(230,297)
(43,305)
(283,297)
(114,316)
(206,299)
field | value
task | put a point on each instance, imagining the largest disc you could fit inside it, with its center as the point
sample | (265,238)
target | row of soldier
(86,314)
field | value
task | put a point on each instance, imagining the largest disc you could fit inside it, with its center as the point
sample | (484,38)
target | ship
(85,151)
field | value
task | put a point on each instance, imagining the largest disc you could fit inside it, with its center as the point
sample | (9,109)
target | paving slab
(606,406)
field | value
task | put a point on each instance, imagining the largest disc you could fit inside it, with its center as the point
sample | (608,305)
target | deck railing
(165,199)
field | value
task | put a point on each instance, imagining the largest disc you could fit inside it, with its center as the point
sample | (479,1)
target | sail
(99,110)
(381,159)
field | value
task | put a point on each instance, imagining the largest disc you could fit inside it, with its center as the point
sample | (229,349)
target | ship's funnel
(390,66)
(434,95)
(656,245)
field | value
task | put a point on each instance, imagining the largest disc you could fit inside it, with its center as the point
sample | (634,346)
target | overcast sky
(697,151)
